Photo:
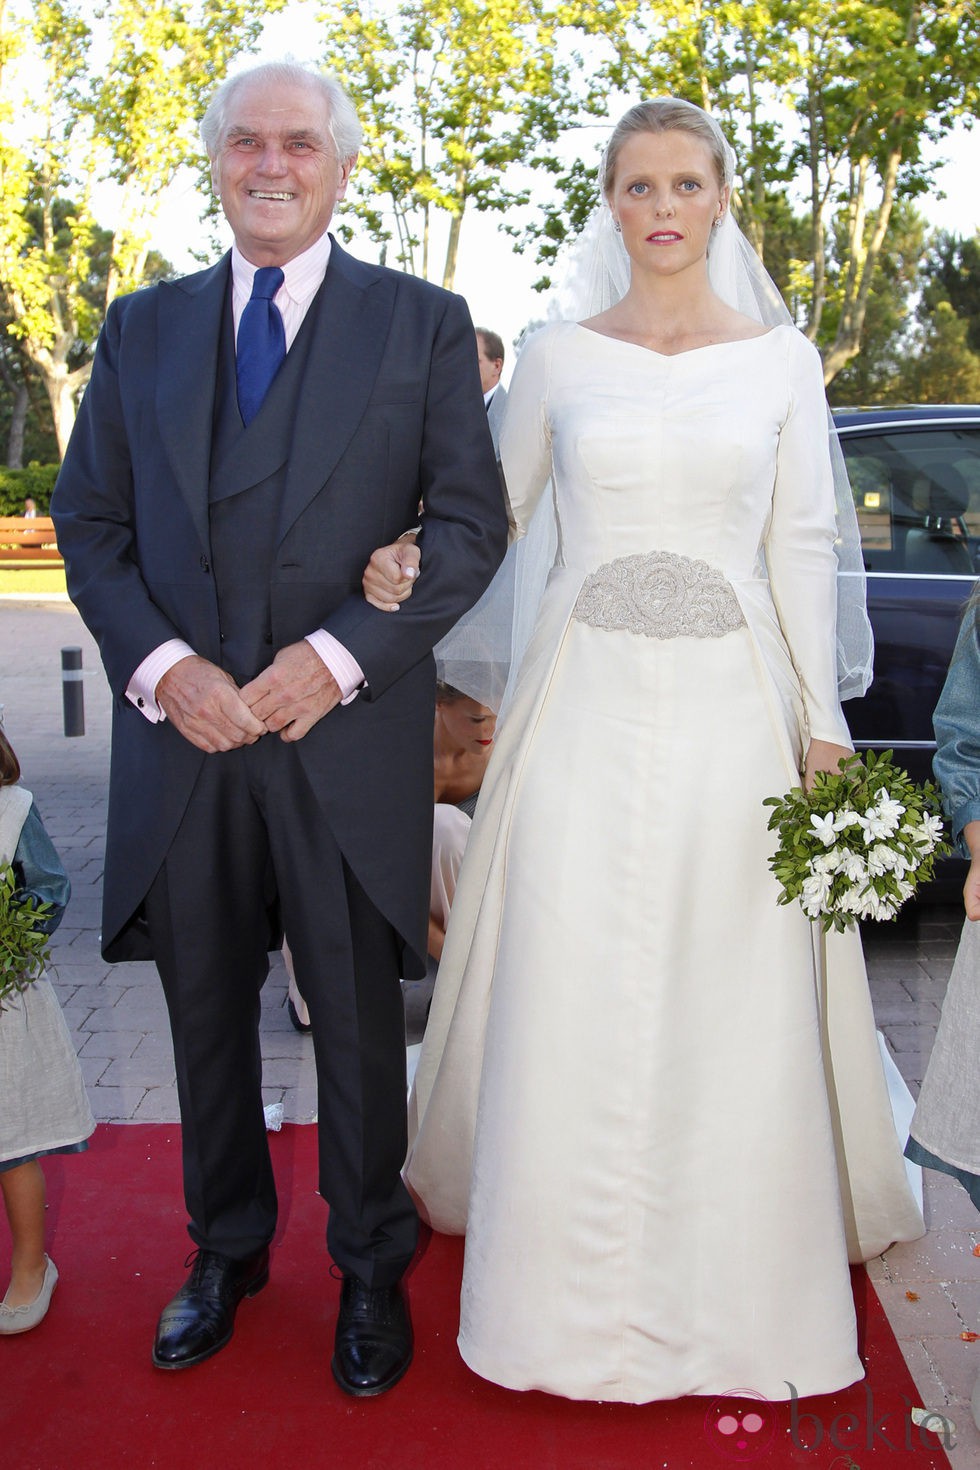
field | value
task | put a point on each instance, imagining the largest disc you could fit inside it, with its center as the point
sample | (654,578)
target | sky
(492,274)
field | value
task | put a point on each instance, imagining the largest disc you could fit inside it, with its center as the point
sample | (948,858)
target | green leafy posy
(859,844)
(23,945)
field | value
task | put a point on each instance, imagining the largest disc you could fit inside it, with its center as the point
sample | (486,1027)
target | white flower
(888,808)
(873,825)
(882,859)
(925,833)
(878,907)
(816,891)
(852,865)
(832,823)
(824,828)
(825,862)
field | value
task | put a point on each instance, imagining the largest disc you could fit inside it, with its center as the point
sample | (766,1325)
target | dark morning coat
(388,411)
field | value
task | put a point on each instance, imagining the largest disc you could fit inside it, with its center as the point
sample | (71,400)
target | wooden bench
(29,540)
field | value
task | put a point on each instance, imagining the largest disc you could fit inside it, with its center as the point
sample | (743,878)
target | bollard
(72,691)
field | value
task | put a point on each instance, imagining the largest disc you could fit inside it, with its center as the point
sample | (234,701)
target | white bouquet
(859,844)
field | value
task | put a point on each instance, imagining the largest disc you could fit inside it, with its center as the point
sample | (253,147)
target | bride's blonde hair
(668,115)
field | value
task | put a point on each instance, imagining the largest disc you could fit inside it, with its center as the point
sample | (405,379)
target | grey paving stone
(76,1014)
(96,997)
(108,1044)
(155,1047)
(938,970)
(139,1072)
(894,966)
(93,1068)
(157,1105)
(965,1298)
(284,1071)
(149,998)
(896,1012)
(110,1018)
(910,1038)
(115,1104)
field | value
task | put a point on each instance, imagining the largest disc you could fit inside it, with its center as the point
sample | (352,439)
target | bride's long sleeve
(525,437)
(799,546)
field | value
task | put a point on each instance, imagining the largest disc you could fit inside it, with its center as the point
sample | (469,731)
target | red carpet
(79,1393)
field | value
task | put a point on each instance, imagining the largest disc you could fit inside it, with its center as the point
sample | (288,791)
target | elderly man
(249,435)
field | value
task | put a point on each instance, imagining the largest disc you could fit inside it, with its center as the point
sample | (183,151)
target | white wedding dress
(650,1094)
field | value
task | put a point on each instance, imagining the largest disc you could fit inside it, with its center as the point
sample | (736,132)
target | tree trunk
(818,243)
(61,388)
(18,421)
(754,199)
(452,250)
(847,343)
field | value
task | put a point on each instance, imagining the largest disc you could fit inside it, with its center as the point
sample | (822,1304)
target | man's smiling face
(276,170)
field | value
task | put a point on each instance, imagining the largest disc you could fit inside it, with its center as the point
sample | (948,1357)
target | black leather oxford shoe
(373,1345)
(200,1319)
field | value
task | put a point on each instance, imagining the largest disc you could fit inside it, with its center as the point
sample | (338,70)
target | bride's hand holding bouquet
(857,843)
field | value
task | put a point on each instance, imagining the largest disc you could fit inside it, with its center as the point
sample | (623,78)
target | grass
(31,580)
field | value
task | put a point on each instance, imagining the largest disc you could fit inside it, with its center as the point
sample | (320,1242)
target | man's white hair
(342,121)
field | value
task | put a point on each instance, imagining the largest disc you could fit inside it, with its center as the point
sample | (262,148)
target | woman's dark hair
(9,764)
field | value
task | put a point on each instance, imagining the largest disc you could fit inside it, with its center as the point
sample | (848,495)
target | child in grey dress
(945,1131)
(43,1106)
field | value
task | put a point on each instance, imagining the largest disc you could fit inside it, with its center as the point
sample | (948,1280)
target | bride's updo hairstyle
(668,115)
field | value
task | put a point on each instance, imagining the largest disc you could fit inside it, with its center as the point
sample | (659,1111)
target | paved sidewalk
(930,1290)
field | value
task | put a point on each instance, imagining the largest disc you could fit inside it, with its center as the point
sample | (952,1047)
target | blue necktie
(261,342)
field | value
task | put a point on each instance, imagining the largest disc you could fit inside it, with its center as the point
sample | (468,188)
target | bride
(649,1094)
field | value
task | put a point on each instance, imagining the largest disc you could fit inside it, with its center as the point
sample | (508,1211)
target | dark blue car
(915,475)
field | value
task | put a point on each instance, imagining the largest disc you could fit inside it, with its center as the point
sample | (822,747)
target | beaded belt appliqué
(661,595)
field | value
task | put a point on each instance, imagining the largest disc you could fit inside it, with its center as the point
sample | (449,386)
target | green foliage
(450,95)
(24,948)
(927,356)
(859,843)
(942,367)
(35,482)
(68,123)
(952,274)
(826,101)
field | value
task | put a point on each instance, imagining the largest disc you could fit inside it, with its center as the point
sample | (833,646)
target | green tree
(719,54)
(116,94)
(25,414)
(44,261)
(874,83)
(891,330)
(952,274)
(165,60)
(943,367)
(450,96)
(829,104)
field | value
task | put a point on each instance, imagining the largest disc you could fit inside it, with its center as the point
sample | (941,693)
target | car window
(917,495)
